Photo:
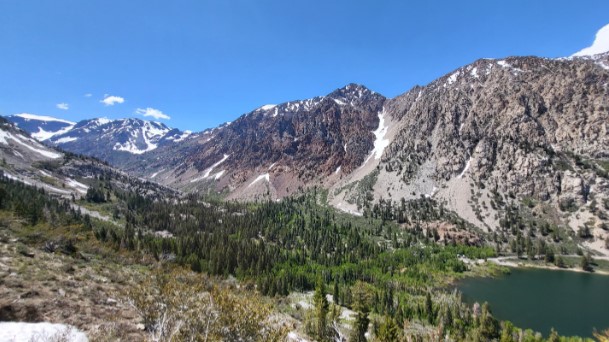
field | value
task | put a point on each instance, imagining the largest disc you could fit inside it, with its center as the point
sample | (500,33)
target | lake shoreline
(519,263)
(540,299)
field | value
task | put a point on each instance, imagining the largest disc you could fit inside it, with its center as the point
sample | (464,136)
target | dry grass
(38,286)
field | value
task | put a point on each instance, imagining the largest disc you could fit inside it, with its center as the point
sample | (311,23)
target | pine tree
(429,308)
(361,304)
(388,331)
(321,310)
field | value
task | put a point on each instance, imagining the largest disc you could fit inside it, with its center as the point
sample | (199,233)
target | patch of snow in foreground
(380,142)
(337,170)
(293,336)
(261,177)
(24,332)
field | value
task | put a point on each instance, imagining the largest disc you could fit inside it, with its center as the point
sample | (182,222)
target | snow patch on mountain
(259,178)
(80,187)
(267,107)
(219,174)
(183,136)
(29,117)
(210,169)
(65,140)
(380,142)
(453,78)
(600,44)
(465,168)
(28,143)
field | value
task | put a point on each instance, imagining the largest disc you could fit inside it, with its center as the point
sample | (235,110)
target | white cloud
(111,100)
(88,95)
(63,106)
(600,44)
(155,113)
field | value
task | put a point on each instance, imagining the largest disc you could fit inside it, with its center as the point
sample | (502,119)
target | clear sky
(202,63)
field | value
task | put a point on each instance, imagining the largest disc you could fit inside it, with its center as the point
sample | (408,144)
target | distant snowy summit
(41,127)
(101,136)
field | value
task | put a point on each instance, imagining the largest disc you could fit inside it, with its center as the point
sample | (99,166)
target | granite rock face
(521,124)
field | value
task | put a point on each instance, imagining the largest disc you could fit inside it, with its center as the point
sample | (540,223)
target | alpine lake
(573,303)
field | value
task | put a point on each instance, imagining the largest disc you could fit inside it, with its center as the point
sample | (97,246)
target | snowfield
(26,332)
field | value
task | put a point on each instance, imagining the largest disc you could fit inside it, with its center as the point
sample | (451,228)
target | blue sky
(206,62)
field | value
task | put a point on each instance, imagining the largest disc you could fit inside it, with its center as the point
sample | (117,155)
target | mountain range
(487,136)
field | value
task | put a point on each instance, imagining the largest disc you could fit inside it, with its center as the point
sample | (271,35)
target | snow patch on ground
(21,142)
(130,147)
(380,142)
(602,65)
(453,78)
(65,140)
(506,65)
(219,174)
(45,173)
(15,178)
(44,135)
(337,170)
(339,102)
(80,187)
(465,168)
(433,192)
(24,332)
(149,131)
(343,208)
(259,178)
(215,165)
(210,169)
(3,136)
(474,72)
(15,152)
(293,336)
(156,173)
(184,135)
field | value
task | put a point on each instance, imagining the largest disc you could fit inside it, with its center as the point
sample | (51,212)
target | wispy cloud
(600,44)
(63,106)
(88,95)
(155,113)
(111,100)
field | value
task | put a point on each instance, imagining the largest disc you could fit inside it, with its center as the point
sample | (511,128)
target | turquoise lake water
(573,303)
